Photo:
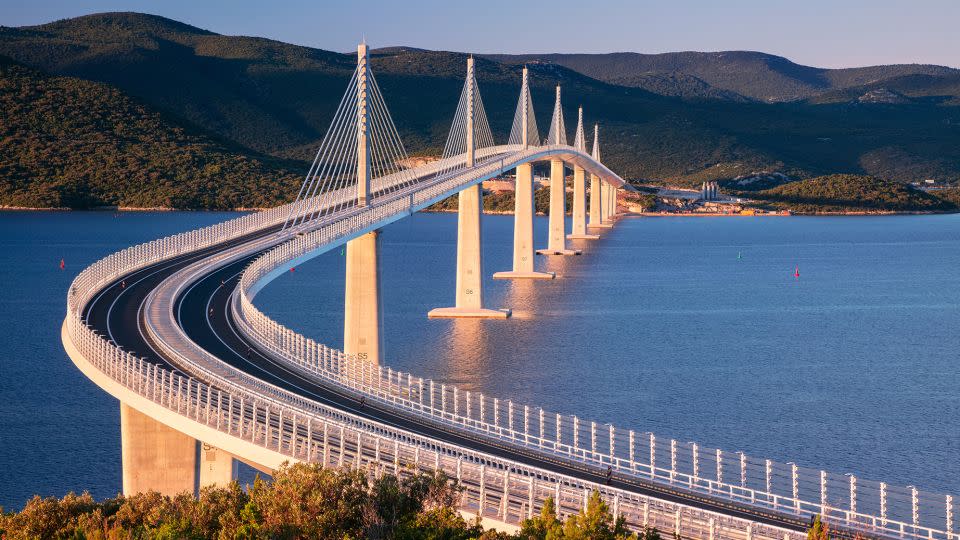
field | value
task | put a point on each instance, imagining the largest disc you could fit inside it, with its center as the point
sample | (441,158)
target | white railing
(305,430)
(843,500)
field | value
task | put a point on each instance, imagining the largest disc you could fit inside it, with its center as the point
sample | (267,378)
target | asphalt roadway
(205,314)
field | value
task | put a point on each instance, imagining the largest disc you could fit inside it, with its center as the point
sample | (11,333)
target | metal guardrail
(842,499)
(306,430)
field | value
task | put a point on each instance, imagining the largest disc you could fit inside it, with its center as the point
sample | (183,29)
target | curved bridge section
(204,378)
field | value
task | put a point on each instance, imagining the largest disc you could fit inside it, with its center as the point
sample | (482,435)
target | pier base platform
(559,252)
(524,275)
(468,313)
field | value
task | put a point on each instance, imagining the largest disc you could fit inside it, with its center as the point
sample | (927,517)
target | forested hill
(251,97)
(742,75)
(67,142)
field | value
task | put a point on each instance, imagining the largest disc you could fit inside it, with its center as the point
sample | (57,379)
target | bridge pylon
(579,231)
(524,132)
(469,292)
(361,305)
(557,239)
(598,214)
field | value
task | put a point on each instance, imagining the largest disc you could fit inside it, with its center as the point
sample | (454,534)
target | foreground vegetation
(302,501)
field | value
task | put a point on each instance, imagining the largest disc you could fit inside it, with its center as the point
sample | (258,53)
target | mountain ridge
(751,74)
(275,99)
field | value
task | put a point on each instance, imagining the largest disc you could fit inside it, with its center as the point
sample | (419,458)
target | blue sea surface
(693,328)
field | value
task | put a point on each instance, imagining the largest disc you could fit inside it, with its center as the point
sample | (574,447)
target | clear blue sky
(826,33)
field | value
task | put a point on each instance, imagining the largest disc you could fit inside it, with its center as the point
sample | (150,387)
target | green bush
(301,501)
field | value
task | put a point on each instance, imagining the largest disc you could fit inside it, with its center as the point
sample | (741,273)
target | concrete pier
(557,240)
(361,306)
(469,300)
(596,203)
(523,211)
(159,458)
(580,206)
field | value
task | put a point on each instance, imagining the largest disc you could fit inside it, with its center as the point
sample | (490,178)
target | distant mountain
(726,75)
(66,142)
(265,97)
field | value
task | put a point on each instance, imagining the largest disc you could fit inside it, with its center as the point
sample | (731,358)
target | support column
(361,304)
(217,467)
(523,229)
(154,456)
(469,302)
(557,243)
(580,206)
(596,203)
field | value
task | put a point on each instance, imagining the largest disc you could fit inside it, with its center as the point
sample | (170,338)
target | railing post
(593,439)
(883,504)
(483,478)
(949,515)
(915,507)
(653,456)
(558,431)
(632,443)
(696,463)
(541,428)
(795,484)
(612,444)
(510,417)
(530,493)
(743,469)
(526,424)
(768,472)
(853,494)
(719,466)
(443,400)
(505,500)
(576,433)
(823,493)
(673,459)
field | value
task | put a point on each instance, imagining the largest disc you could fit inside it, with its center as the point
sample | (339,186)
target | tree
(818,530)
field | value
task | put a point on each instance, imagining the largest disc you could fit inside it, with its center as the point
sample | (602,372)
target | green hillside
(846,193)
(66,142)
(259,97)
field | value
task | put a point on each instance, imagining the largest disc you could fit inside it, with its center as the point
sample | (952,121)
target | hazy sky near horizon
(824,33)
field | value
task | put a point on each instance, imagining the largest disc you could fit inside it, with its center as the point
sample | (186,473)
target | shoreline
(493,213)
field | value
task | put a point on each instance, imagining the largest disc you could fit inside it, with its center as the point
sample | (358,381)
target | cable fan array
(456,148)
(331,183)
(558,132)
(580,140)
(524,113)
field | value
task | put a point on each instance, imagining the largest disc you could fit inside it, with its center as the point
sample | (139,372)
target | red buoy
(62,264)
(291,269)
(796,273)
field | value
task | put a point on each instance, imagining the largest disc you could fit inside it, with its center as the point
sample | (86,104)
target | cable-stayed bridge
(206,379)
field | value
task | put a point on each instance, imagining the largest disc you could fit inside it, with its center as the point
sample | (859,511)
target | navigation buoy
(739,255)
(291,269)
(62,264)
(796,273)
